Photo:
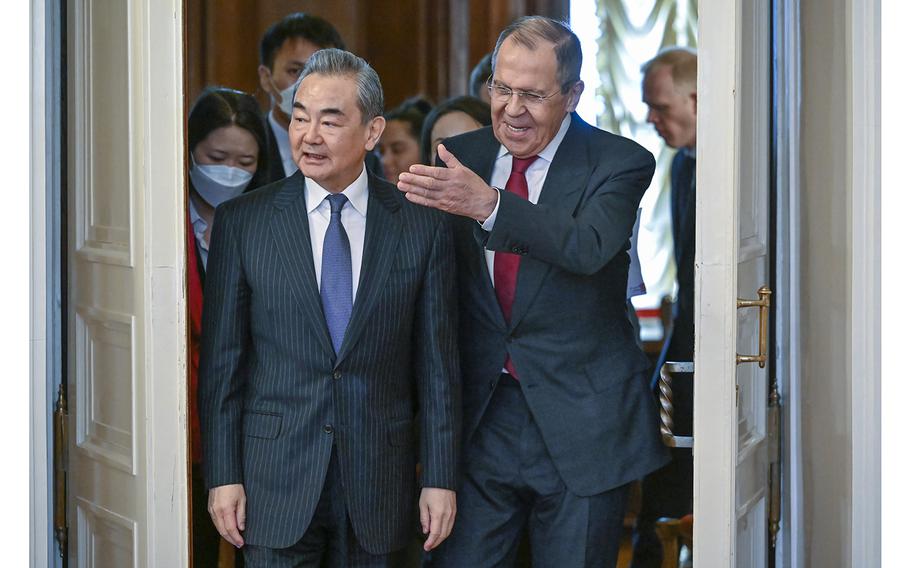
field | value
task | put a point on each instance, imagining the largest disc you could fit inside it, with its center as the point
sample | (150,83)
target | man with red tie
(558,414)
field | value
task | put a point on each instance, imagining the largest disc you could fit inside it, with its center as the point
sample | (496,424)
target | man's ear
(265,79)
(374,132)
(574,96)
(694,97)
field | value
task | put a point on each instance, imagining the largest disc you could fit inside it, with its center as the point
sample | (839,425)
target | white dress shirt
(199,228)
(353,219)
(536,174)
(284,145)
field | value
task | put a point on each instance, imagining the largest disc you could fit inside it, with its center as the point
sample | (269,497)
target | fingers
(439,504)
(227,507)
(241,514)
(424,517)
(447,157)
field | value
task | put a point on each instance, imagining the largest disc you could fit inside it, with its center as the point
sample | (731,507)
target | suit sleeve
(437,366)
(225,340)
(585,242)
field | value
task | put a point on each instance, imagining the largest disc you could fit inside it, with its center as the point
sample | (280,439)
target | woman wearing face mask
(226,136)
(399,146)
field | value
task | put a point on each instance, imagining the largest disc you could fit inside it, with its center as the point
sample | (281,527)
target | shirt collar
(195,217)
(549,152)
(356,193)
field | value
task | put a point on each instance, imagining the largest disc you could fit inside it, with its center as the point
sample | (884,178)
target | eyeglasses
(502,94)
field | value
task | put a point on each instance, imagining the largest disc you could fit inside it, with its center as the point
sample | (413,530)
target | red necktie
(505,264)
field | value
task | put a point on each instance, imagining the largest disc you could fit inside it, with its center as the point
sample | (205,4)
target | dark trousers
(329,541)
(511,483)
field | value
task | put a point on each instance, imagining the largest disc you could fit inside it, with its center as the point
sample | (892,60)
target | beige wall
(825,294)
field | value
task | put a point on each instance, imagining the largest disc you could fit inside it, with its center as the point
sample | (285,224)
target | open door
(735,407)
(125,344)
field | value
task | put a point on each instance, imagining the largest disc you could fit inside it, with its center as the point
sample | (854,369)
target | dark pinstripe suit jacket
(570,338)
(270,384)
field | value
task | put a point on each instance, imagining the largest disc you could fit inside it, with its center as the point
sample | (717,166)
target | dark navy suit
(277,403)
(582,399)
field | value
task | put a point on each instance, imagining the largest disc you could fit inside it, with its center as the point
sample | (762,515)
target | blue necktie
(336,286)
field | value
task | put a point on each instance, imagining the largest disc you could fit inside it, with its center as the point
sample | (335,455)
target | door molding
(789,551)
(162,166)
(864,65)
(715,285)
(40,534)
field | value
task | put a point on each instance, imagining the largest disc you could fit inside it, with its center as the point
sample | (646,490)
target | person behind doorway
(329,329)
(226,139)
(450,118)
(480,74)
(399,146)
(284,49)
(668,88)
(558,416)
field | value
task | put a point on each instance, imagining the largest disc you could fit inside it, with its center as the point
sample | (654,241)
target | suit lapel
(383,231)
(291,230)
(566,179)
(482,161)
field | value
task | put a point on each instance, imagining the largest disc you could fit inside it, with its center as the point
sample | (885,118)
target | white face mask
(286,104)
(217,183)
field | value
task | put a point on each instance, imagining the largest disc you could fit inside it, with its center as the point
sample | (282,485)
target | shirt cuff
(491,220)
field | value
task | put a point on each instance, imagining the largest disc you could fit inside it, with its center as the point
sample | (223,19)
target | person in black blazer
(329,337)
(283,51)
(559,418)
(669,90)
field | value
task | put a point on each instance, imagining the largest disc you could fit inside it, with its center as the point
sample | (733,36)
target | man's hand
(437,515)
(227,507)
(453,189)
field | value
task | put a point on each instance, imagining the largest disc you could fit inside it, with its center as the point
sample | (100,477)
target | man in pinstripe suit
(328,327)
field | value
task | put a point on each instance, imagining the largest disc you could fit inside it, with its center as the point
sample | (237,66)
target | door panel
(732,262)
(127,334)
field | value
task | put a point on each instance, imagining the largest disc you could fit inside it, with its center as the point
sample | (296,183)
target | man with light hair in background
(669,90)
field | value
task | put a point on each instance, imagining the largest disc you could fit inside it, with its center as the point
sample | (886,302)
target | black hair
(413,111)
(480,73)
(299,24)
(218,107)
(471,106)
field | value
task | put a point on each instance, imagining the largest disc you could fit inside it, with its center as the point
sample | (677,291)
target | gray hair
(339,62)
(528,30)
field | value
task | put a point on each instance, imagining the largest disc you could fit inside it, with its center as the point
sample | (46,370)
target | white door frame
(715,286)
(159,139)
(864,73)
(40,519)
(715,483)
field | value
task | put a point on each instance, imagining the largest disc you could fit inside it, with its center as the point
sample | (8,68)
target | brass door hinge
(60,468)
(774,468)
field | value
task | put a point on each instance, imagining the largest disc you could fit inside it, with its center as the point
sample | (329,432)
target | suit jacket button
(328,429)
(336,375)
(516,250)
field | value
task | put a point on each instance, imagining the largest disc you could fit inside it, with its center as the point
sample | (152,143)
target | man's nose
(311,133)
(515,106)
(651,118)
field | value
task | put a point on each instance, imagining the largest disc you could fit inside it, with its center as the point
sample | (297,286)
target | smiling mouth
(517,129)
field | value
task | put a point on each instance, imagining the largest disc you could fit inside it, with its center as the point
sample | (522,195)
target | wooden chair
(674,533)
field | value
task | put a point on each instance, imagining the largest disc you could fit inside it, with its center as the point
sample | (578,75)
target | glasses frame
(525,97)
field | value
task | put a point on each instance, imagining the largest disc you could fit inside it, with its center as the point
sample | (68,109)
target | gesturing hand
(227,507)
(454,189)
(437,515)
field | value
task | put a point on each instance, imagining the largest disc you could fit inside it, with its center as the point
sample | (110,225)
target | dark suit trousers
(510,482)
(329,541)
